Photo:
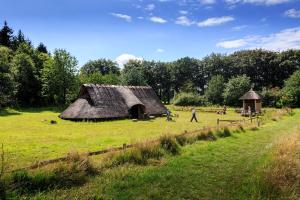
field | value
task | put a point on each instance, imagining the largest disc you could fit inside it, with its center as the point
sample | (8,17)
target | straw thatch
(110,101)
(251,95)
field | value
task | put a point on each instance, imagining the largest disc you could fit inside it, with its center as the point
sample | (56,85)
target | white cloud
(160,50)
(122,16)
(183,12)
(207,2)
(238,28)
(283,40)
(215,21)
(266,2)
(183,20)
(125,58)
(158,20)
(140,17)
(232,44)
(257,2)
(150,7)
(293,13)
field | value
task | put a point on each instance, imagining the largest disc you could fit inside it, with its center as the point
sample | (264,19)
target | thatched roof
(111,101)
(250,95)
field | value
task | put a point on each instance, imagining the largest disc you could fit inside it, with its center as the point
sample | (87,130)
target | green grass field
(226,169)
(28,136)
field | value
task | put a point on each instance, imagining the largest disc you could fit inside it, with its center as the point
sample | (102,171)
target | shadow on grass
(6,112)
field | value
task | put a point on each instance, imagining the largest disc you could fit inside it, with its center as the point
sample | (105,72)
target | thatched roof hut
(96,102)
(252,99)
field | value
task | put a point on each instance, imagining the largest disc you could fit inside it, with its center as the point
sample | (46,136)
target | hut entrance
(250,103)
(137,111)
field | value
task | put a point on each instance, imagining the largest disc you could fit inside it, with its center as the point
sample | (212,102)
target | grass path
(225,169)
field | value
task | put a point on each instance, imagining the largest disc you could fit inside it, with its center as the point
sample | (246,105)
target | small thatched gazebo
(252,99)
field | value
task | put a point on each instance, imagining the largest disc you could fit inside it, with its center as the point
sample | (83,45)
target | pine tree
(6,35)
(42,48)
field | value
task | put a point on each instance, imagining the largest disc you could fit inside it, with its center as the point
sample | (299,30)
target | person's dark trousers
(194,117)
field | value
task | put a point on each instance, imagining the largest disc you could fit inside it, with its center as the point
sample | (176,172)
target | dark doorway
(137,111)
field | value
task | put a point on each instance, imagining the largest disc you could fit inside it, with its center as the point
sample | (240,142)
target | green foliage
(132,73)
(189,99)
(102,66)
(60,83)
(225,132)
(235,88)
(215,89)
(6,84)
(23,69)
(169,144)
(291,90)
(187,71)
(98,78)
(181,140)
(6,35)
(271,96)
(206,135)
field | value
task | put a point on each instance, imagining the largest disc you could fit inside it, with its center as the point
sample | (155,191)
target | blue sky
(155,29)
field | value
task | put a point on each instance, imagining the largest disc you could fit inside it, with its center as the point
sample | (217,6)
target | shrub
(206,135)
(169,144)
(181,139)
(235,88)
(189,99)
(225,132)
(291,90)
(215,88)
(271,96)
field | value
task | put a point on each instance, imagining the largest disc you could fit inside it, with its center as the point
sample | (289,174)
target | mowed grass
(226,169)
(28,136)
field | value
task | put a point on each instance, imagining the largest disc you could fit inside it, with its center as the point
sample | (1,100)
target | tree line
(32,76)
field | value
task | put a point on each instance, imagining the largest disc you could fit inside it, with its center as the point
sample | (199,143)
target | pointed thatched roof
(250,95)
(111,101)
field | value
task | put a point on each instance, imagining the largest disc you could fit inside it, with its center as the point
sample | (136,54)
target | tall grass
(72,172)
(282,177)
(2,184)
(140,155)
(169,144)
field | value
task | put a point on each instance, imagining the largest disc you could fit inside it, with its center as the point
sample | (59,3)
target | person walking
(168,115)
(194,115)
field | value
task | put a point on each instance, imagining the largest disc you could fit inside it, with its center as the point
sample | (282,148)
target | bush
(235,88)
(225,132)
(181,139)
(271,97)
(206,135)
(169,144)
(189,99)
(215,89)
(291,90)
